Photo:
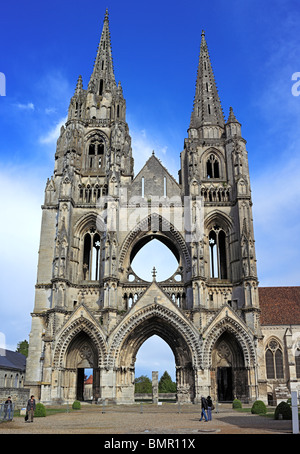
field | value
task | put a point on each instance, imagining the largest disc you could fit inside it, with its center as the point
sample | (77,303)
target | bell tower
(93,160)
(214,167)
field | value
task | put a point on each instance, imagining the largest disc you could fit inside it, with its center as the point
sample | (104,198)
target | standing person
(210,407)
(30,408)
(203,408)
(8,407)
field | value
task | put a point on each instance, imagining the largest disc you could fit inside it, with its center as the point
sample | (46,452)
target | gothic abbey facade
(93,311)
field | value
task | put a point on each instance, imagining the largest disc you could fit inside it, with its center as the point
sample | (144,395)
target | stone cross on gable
(154,272)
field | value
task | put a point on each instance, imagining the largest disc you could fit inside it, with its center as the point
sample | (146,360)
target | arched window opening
(154,254)
(274,360)
(91,256)
(212,167)
(217,246)
(96,153)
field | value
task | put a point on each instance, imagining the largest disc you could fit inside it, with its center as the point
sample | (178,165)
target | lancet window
(91,255)
(217,249)
(95,158)
(274,360)
(212,167)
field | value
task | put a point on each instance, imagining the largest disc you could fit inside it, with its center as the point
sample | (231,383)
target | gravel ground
(147,419)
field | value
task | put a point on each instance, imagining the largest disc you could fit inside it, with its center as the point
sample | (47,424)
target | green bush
(237,403)
(40,411)
(76,405)
(259,408)
(283,409)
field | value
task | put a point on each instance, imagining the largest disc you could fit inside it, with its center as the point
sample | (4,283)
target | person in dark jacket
(30,408)
(8,409)
(203,408)
(209,407)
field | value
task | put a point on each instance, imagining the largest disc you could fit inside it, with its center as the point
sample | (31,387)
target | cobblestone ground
(146,419)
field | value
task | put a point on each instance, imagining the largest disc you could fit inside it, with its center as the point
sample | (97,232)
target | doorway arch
(82,354)
(81,345)
(229,376)
(174,330)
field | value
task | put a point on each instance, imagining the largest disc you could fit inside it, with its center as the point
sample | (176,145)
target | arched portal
(82,355)
(229,377)
(181,338)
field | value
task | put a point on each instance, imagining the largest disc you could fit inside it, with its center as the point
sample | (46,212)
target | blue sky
(44,46)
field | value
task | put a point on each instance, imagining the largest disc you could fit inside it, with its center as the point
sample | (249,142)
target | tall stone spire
(103,78)
(207,109)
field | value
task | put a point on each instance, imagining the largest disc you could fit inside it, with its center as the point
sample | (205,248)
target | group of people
(8,409)
(206,406)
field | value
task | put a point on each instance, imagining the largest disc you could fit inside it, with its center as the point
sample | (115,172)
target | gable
(154,181)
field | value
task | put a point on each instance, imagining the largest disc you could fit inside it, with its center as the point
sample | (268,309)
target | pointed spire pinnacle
(103,78)
(78,86)
(232,117)
(207,106)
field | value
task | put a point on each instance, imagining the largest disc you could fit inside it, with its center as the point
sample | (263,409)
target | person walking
(30,409)
(203,408)
(8,409)
(210,407)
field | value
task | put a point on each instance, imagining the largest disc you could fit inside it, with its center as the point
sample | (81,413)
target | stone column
(154,387)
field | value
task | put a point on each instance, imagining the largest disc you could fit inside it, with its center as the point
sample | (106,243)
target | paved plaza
(148,419)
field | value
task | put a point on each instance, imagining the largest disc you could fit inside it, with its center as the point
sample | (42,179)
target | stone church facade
(93,311)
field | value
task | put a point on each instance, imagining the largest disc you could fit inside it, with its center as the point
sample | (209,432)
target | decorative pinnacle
(154,273)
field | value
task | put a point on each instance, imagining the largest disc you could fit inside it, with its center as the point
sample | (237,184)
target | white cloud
(50,110)
(52,135)
(28,106)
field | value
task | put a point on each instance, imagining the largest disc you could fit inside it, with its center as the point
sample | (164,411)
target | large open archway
(155,227)
(169,326)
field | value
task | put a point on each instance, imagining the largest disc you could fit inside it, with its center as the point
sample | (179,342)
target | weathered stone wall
(19,396)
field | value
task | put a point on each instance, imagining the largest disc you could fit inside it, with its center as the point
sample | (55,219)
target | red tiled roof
(279,305)
(89,381)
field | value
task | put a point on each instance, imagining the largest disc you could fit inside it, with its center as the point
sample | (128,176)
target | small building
(12,377)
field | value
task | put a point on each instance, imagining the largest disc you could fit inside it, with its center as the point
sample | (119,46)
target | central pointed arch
(157,320)
(155,226)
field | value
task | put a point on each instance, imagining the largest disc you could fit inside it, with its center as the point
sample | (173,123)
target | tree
(143,384)
(166,385)
(22,347)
